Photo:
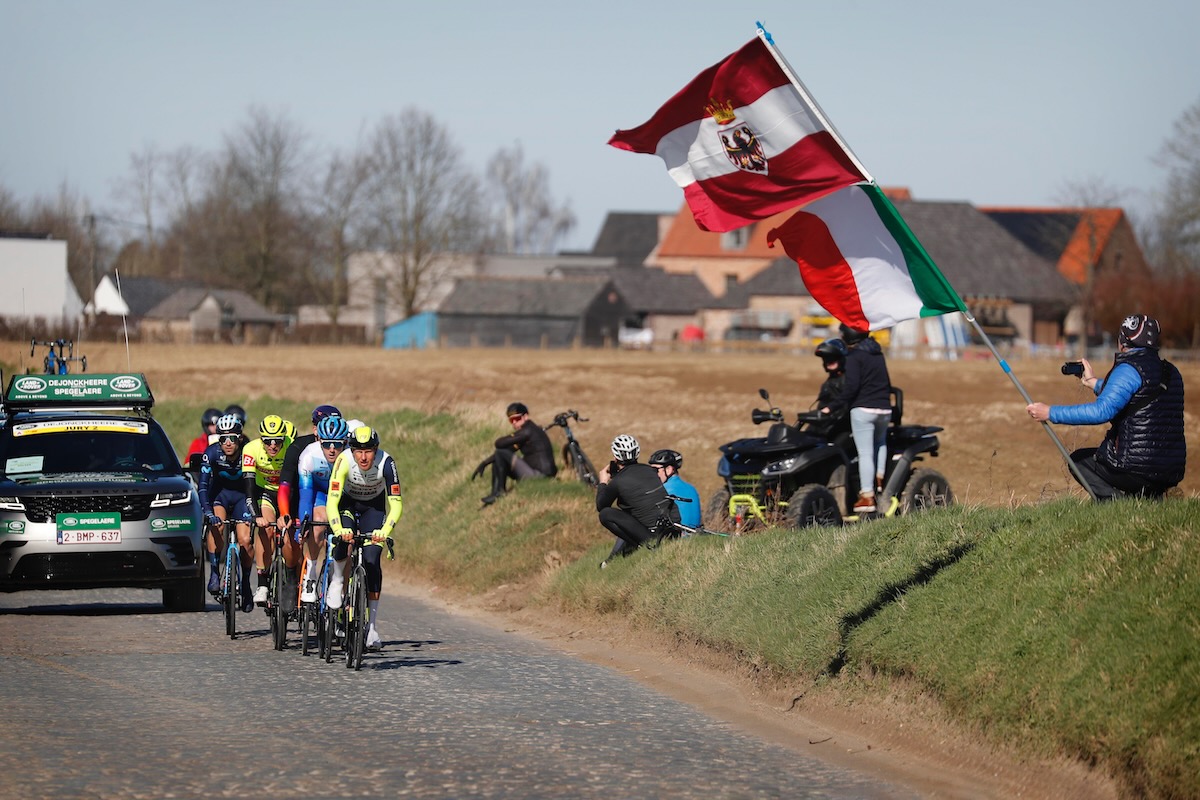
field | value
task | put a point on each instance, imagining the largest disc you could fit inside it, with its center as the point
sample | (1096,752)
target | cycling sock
(262,577)
(310,568)
(373,606)
(213,560)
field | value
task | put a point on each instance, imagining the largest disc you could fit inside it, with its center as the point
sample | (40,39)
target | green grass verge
(1065,628)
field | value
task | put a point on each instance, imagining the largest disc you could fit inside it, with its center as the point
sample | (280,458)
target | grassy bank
(1064,628)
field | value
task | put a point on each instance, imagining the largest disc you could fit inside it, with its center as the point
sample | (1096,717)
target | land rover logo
(16,525)
(30,384)
(125,383)
(69,522)
(158,524)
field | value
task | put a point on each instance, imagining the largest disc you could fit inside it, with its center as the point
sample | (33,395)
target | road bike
(355,608)
(276,590)
(667,528)
(312,612)
(231,583)
(59,357)
(573,455)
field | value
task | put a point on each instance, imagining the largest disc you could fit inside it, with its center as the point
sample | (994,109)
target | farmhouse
(36,284)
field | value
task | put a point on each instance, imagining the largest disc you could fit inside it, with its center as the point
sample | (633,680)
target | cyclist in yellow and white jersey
(262,461)
(364,497)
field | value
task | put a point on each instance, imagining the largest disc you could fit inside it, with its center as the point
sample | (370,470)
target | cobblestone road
(105,696)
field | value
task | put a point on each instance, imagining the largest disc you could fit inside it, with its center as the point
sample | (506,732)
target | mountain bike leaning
(573,455)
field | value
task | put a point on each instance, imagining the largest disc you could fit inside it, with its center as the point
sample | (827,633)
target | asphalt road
(104,695)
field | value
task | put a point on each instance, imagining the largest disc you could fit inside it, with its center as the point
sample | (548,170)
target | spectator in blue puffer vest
(1143,452)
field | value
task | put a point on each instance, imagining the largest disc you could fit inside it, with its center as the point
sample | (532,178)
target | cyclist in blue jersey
(313,469)
(222,494)
(668,464)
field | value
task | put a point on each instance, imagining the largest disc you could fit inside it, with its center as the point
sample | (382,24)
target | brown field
(992,453)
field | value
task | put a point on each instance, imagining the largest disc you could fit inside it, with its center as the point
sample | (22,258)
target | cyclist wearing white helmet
(222,492)
(639,495)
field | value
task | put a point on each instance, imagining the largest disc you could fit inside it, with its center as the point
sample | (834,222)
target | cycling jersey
(219,474)
(351,486)
(262,466)
(313,470)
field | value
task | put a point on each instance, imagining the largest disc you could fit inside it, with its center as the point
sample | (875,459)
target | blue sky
(997,104)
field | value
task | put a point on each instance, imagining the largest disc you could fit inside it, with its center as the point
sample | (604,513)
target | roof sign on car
(94,389)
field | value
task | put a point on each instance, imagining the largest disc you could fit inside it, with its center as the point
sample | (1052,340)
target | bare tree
(529,221)
(1179,211)
(423,208)
(139,191)
(339,213)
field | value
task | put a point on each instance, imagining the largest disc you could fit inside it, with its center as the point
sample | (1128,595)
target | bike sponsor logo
(30,384)
(167,524)
(13,526)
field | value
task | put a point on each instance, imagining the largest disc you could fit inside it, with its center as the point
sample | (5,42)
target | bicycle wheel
(327,623)
(583,467)
(305,628)
(362,613)
(229,593)
(275,604)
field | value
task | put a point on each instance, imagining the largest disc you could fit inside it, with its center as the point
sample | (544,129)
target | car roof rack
(93,391)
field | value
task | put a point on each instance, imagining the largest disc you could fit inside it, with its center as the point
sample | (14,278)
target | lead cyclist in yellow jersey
(364,497)
(262,461)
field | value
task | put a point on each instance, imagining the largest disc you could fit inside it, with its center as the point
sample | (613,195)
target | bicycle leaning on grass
(573,455)
(667,528)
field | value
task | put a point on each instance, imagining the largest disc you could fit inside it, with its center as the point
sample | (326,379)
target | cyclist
(364,496)
(223,496)
(668,464)
(262,461)
(527,453)
(316,463)
(640,497)
(208,435)
(237,411)
(289,475)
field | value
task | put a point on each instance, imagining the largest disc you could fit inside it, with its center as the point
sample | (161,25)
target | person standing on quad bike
(866,392)
(535,458)
(639,496)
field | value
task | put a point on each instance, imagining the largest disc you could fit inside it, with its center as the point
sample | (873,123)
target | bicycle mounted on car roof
(59,357)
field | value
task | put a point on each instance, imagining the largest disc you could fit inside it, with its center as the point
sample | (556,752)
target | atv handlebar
(758,416)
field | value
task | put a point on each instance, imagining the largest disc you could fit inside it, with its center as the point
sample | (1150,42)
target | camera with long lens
(1073,368)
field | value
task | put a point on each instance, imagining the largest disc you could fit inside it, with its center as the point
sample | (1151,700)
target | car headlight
(165,499)
(11,504)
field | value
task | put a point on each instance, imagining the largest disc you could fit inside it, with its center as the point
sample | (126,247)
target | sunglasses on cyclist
(275,440)
(229,437)
(336,444)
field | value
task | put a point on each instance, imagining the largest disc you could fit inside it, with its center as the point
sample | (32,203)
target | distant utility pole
(91,222)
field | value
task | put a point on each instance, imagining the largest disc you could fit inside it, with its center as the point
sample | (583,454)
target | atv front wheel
(813,504)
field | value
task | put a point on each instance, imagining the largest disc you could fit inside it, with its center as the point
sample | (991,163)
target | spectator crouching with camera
(1143,452)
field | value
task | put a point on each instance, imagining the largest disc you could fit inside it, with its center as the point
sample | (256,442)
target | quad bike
(801,475)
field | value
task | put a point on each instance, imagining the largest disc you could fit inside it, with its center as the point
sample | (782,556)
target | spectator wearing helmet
(1143,452)
(222,493)
(866,394)
(526,453)
(289,474)
(208,426)
(668,463)
(262,462)
(835,426)
(314,468)
(640,498)
(364,497)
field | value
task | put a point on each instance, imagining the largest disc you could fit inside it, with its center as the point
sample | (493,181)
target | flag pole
(809,99)
(1045,423)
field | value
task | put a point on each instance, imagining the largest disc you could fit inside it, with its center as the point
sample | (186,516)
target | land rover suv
(91,492)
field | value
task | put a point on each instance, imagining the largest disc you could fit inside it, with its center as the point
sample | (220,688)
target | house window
(736,239)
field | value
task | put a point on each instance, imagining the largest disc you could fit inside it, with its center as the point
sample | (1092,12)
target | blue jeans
(870,439)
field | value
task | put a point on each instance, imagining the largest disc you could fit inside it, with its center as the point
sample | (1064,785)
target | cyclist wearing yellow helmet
(364,497)
(262,460)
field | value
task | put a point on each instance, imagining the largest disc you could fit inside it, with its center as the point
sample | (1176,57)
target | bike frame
(231,576)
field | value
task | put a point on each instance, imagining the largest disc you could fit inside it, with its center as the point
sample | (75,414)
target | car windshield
(56,447)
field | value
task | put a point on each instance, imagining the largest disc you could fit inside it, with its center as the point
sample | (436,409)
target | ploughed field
(991,452)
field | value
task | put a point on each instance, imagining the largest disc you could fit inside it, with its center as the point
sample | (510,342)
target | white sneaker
(260,596)
(373,640)
(309,595)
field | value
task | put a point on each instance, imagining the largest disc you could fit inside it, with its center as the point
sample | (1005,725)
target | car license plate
(89,537)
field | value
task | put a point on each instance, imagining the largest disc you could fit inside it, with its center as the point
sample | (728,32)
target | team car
(92,494)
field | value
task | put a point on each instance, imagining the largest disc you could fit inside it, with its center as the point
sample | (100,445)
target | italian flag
(861,262)
(743,143)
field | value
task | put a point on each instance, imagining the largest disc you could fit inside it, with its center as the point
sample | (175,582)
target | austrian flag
(743,143)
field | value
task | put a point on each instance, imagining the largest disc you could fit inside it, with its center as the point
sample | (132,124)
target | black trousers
(1107,483)
(630,533)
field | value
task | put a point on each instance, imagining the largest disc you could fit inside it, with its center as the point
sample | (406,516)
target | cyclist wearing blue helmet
(315,464)
(289,473)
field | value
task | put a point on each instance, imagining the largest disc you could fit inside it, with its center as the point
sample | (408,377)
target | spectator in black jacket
(866,392)
(640,497)
(527,453)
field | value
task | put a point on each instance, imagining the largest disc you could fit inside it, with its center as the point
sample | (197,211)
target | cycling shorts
(234,503)
(268,498)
